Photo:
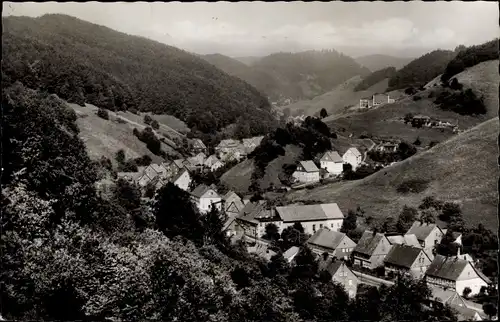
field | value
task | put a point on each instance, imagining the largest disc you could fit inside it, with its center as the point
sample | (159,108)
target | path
(369,149)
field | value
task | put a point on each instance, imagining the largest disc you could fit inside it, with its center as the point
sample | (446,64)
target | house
(407,260)
(421,120)
(353,157)
(205,198)
(261,250)
(254,218)
(233,204)
(198,160)
(229,150)
(410,240)
(182,180)
(428,235)
(335,243)
(388,147)
(181,164)
(340,274)
(457,236)
(332,162)
(128,176)
(251,143)
(450,297)
(379,99)
(290,253)
(198,146)
(312,217)
(371,250)
(365,103)
(455,274)
(466,313)
(153,173)
(306,172)
(213,163)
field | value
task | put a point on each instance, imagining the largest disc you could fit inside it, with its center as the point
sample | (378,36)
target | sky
(240,29)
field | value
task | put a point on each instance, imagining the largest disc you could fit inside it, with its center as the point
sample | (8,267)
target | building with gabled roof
(408,260)
(332,162)
(232,203)
(254,217)
(428,235)
(229,149)
(198,146)
(306,172)
(312,217)
(205,198)
(341,274)
(290,254)
(410,240)
(456,274)
(213,163)
(353,157)
(335,243)
(251,143)
(371,250)
(261,250)
(379,99)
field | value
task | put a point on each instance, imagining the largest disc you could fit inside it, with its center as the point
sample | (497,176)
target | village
(377,257)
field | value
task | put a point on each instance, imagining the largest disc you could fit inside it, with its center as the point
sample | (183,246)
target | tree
(127,195)
(278,265)
(450,211)
(417,142)
(428,216)
(155,125)
(148,119)
(323,113)
(466,292)
(120,156)
(272,232)
(389,225)
(490,309)
(102,113)
(240,277)
(292,237)
(350,222)
(408,118)
(431,202)
(406,218)
(305,264)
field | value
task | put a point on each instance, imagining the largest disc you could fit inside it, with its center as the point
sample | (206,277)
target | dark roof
(402,255)
(464,313)
(309,166)
(332,156)
(174,178)
(256,212)
(446,268)
(368,242)
(198,144)
(329,265)
(200,190)
(326,238)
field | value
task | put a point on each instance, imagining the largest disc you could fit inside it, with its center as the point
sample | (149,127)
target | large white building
(332,162)
(353,157)
(205,198)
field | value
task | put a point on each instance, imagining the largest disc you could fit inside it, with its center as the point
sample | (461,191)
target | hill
(377,62)
(259,79)
(336,100)
(471,56)
(248,60)
(386,121)
(105,137)
(375,78)
(463,169)
(310,73)
(84,62)
(421,70)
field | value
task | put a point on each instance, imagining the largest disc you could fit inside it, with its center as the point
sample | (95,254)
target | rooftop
(200,190)
(368,242)
(446,268)
(326,238)
(402,255)
(354,151)
(421,230)
(309,212)
(332,156)
(410,239)
(309,166)
(290,252)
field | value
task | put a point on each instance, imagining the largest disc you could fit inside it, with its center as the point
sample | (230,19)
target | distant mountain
(84,62)
(422,70)
(377,62)
(259,79)
(375,77)
(249,60)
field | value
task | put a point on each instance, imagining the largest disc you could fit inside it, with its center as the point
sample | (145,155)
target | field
(106,137)
(336,100)
(238,178)
(463,169)
(384,121)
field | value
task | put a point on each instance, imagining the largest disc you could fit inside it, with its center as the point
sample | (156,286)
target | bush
(155,125)
(152,142)
(143,161)
(413,186)
(147,119)
(417,142)
(417,98)
(461,102)
(102,113)
(454,84)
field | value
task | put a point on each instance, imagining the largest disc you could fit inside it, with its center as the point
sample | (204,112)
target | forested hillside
(83,62)
(471,56)
(421,70)
(311,73)
(70,254)
(374,78)
(377,61)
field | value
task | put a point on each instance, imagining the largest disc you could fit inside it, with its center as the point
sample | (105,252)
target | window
(320,225)
(314,228)
(350,282)
(332,225)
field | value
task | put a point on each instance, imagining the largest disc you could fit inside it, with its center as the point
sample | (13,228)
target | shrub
(155,125)
(454,84)
(102,113)
(417,142)
(433,143)
(417,98)
(461,102)
(143,161)
(148,119)
(413,186)
(410,91)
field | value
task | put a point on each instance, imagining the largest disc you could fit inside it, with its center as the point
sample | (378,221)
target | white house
(306,172)
(455,274)
(428,235)
(182,180)
(332,242)
(312,217)
(353,157)
(408,239)
(229,150)
(409,260)
(371,250)
(205,197)
(379,99)
(332,162)
(213,163)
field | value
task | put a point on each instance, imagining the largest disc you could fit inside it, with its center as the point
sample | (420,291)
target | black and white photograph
(250,161)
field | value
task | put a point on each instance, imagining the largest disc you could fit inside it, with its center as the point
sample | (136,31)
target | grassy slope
(463,169)
(106,137)
(238,178)
(336,100)
(482,78)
